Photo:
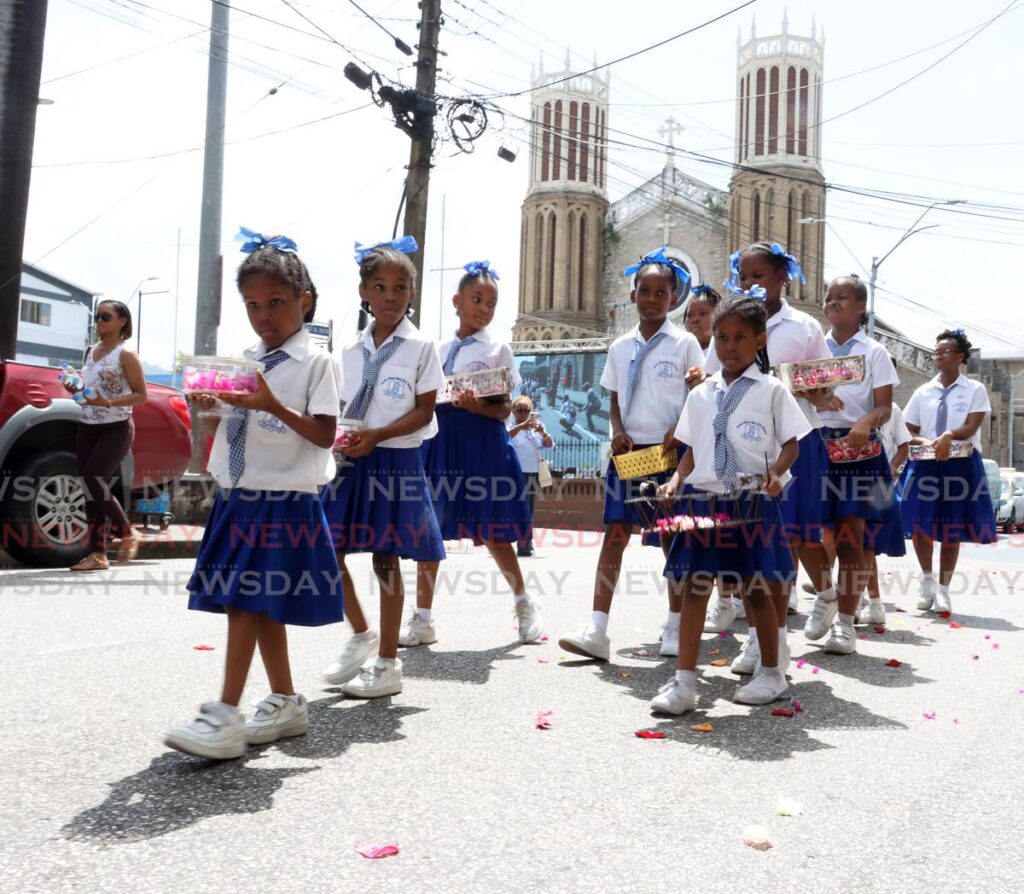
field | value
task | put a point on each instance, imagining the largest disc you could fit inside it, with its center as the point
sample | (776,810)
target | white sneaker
(674,698)
(375,682)
(926,596)
(765,688)
(531,625)
(720,617)
(843,640)
(783,664)
(942,601)
(749,658)
(794,602)
(741,612)
(417,632)
(277,717)
(354,653)
(217,733)
(669,647)
(822,615)
(591,643)
(871,612)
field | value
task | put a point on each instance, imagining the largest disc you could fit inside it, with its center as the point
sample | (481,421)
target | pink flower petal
(543,638)
(203,648)
(376,851)
(801,662)
(796,706)
(542,661)
(880,628)
(544,719)
(929,715)
(815,670)
(648,734)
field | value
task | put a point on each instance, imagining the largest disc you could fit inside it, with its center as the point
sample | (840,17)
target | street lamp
(138,325)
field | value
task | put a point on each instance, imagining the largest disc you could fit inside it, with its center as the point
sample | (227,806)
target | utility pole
(417,182)
(22,26)
(208,290)
(210,268)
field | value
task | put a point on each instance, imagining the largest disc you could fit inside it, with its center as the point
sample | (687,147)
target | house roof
(55,280)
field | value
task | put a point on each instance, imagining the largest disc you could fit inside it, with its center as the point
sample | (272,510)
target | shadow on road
(459,667)
(175,790)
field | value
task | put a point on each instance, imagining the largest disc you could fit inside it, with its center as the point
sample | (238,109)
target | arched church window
(551,262)
(537,301)
(556,150)
(570,167)
(755,217)
(804,105)
(759,115)
(773,111)
(582,278)
(545,155)
(584,141)
(791,110)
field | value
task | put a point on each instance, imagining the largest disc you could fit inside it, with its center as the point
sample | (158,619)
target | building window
(538,265)
(743,121)
(805,211)
(759,115)
(571,163)
(773,111)
(790,110)
(755,218)
(581,282)
(570,256)
(790,221)
(556,153)
(545,157)
(802,134)
(551,262)
(37,312)
(585,142)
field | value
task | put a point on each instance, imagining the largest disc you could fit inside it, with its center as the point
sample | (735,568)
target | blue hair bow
(959,332)
(659,257)
(793,268)
(702,289)
(406,245)
(755,291)
(482,268)
(251,241)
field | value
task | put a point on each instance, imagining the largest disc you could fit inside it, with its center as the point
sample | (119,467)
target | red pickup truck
(42,504)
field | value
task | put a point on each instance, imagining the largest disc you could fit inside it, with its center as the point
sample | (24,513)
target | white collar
(405,330)
(961,380)
(668,327)
(785,312)
(296,347)
(751,372)
(859,335)
(482,336)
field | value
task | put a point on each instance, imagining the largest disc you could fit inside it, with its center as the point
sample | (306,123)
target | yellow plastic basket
(638,463)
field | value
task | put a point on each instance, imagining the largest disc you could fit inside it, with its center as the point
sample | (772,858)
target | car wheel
(44,520)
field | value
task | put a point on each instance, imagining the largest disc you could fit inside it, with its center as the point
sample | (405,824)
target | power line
(400,44)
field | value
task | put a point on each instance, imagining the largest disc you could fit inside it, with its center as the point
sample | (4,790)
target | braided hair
(750,310)
(284,266)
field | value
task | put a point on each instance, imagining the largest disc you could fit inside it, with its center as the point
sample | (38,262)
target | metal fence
(583,458)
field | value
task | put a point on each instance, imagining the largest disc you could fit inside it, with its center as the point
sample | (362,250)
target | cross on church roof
(671,128)
(666,225)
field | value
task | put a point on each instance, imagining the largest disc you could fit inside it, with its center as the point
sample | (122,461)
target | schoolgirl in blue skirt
(860,492)
(740,421)
(947,499)
(266,558)
(649,373)
(476,481)
(379,502)
(793,336)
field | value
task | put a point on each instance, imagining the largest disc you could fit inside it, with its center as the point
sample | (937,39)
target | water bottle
(71,377)
(80,397)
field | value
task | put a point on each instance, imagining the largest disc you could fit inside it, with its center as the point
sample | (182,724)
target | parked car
(42,503)
(1010,511)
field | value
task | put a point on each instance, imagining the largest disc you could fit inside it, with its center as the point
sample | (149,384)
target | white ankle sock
(423,613)
(928,582)
(846,619)
(519,597)
(294,697)
(673,620)
(736,601)
(600,621)
(384,663)
(771,671)
(944,590)
(687,678)
(752,634)
(783,635)
(829,595)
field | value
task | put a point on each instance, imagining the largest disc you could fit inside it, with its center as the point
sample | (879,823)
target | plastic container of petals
(840,451)
(810,374)
(482,383)
(641,463)
(957,450)
(218,376)
(344,434)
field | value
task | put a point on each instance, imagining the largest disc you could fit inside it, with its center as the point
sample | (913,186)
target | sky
(118,163)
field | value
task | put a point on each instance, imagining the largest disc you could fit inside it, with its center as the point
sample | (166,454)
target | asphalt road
(908,778)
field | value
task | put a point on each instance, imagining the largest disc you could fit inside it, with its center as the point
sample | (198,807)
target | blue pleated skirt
(862,489)
(757,548)
(802,503)
(886,538)
(268,552)
(381,504)
(617,492)
(948,501)
(476,481)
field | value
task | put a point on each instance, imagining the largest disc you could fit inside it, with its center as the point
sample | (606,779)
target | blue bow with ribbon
(659,257)
(482,268)
(702,289)
(406,245)
(757,292)
(959,332)
(251,241)
(793,268)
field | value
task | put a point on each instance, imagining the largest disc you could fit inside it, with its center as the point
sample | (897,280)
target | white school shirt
(793,336)
(276,457)
(528,446)
(968,396)
(661,389)
(894,433)
(859,399)
(765,419)
(413,369)
(484,353)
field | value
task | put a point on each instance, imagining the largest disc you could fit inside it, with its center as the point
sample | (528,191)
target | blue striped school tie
(725,457)
(371,372)
(639,353)
(238,422)
(449,362)
(840,350)
(942,415)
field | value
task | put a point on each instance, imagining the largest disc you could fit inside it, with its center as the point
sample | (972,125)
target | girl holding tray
(740,422)
(476,480)
(947,498)
(858,482)
(649,373)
